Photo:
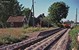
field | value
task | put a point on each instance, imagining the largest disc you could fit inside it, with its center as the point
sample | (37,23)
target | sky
(41,6)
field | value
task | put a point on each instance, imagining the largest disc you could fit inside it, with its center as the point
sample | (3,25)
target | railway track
(42,45)
(60,44)
(37,43)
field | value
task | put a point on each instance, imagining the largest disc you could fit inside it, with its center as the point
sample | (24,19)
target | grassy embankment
(73,35)
(13,35)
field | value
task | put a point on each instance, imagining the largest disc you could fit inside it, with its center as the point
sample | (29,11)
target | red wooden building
(17,21)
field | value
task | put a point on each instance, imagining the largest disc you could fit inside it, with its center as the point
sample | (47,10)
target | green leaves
(73,34)
(9,39)
(58,11)
(26,12)
(9,8)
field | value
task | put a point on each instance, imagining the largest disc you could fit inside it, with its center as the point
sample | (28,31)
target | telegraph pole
(76,17)
(33,12)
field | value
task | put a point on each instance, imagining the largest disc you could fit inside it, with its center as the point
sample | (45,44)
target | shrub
(9,39)
(25,26)
(73,34)
(23,36)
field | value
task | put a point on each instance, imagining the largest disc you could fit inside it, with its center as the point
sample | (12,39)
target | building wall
(16,24)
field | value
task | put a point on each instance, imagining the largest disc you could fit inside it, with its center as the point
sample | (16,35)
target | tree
(47,22)
(1,13)
(58,11)
(9,8)
(26,12)
(14,8)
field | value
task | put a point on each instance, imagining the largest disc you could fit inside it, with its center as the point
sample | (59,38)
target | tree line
(57,11)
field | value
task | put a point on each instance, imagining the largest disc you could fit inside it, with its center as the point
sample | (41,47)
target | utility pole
(33,12)
(76,17)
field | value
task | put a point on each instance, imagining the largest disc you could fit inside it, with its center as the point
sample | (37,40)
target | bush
(9,39)
(23,36)
(73,34)
(25,26)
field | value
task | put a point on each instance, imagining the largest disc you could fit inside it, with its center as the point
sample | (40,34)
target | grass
(13,35)
(73,34)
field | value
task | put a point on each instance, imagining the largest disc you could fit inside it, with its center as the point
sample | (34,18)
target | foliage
(13,35)
(9,39)
(58,11)
(73,34)
(26,12)
(32,29)
(25,26)
(9,8)
(47,22)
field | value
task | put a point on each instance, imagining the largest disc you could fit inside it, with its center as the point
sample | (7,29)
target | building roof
(16,19)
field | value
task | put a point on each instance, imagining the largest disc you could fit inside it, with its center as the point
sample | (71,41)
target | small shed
(17,21)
